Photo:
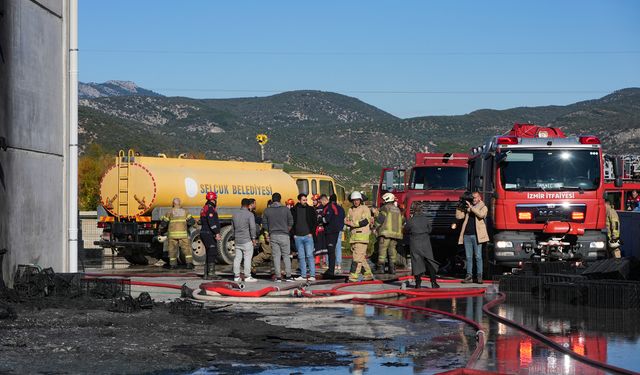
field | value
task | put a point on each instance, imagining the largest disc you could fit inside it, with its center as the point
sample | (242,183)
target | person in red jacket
(210,235)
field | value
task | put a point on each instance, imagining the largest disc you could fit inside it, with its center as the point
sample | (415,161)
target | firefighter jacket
(209,221)
(479,213)
(389,222)
(360,218)
(177,219)
(613,224)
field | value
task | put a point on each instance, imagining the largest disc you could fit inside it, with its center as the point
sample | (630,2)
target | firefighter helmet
(212,196)
(388,198)
(614,244)
(355,195)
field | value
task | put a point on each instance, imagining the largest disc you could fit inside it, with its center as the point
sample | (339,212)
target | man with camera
(473,232)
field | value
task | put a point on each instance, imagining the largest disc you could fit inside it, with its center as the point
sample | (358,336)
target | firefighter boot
(205,274)
(211,271)
(368,275)
(380,268)
(392,268)
(353,275)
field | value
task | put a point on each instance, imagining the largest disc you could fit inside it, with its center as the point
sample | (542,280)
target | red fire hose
(487,308)
(479,332)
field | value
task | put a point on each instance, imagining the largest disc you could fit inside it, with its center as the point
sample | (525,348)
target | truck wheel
(137,257)
(198,249)
(226,245)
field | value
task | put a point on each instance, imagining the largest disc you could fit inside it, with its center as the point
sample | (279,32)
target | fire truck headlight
(504,244)
(596,245)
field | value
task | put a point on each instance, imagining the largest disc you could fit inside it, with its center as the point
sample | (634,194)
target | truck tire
(136,257)
(226,245)
(198,249)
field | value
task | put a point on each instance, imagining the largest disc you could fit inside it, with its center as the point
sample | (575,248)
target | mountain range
(324,131)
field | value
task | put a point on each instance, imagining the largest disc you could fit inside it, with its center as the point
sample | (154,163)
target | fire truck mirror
(617,182)
(618,168)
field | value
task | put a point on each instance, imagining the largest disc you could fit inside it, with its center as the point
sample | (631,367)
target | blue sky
(409,58)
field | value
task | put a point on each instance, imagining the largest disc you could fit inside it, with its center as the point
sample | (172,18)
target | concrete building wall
(33,116)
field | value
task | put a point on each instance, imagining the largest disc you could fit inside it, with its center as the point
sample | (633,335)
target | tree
(91,167)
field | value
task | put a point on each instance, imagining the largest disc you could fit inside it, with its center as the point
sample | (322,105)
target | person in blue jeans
(473,234)
(304,226)
(338,269)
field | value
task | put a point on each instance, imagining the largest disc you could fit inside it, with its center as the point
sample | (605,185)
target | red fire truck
(436,182)
(544,192)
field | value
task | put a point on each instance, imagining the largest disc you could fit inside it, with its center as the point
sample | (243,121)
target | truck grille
(442,214)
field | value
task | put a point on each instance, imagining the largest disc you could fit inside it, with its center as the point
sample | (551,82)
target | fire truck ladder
(123,166)
(630,167)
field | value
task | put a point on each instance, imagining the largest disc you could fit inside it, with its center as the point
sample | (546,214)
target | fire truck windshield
(438,178)
(550,170)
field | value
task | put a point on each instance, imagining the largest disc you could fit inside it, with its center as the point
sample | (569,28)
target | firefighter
(389,223)
(210,235)
(358,220)
(613,230)
(178,220)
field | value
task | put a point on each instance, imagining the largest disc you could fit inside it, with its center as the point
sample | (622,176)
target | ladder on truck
(630,167)
(124,164)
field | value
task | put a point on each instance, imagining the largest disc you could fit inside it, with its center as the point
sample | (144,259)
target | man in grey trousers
(277,222)
(244,230)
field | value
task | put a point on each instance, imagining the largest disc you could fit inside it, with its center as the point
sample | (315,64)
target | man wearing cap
(210,235)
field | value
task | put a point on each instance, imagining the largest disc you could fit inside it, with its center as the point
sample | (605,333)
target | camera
(466,197)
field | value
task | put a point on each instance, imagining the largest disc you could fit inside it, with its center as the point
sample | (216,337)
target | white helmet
(614,244)
(388,198)
(355,195)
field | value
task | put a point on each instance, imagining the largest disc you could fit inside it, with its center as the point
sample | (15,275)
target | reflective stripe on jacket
(613,224)
(390,222)
(356,215)
(177,219)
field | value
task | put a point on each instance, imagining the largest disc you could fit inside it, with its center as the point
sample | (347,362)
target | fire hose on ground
(226,291)
(487,308)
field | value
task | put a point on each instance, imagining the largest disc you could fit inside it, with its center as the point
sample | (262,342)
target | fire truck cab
(434,183)
(544,192)
(392,180)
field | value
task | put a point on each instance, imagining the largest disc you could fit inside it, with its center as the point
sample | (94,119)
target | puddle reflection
(611,336)
(606,335)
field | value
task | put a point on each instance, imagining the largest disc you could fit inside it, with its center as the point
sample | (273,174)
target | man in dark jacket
(210,235)
(333,219)
(304,225)
(418,229)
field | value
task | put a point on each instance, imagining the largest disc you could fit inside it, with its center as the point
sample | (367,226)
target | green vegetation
(91,166)
(327,132)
